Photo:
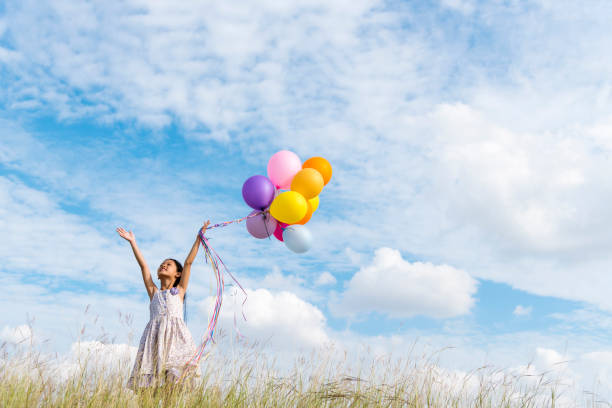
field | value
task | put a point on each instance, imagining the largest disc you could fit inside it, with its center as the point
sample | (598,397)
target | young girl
(166,345)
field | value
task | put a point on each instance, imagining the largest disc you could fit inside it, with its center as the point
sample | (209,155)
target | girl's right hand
(127,235)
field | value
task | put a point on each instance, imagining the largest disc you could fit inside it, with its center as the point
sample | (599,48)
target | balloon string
(214,259)
(226,223)
(266,225)
(229,273)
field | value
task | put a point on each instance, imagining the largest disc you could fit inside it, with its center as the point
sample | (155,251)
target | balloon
(282,166)
(278,232)
(308,214)
(261,226)
(258,192)
(308,182)
(314,202)
(321,165)
(289,207)
(297,238)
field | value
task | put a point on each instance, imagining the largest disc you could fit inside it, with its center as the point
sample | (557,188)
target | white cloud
(521,310)
(58,315)
(325,279)
(277,281)
(596,367)
(463,6)
(398,288)
(548,359)
(103,356)
(99,361)
(18,335)
(590,319)
(279,318)
(208,63)
(522,196)
(69,246)
(354,257)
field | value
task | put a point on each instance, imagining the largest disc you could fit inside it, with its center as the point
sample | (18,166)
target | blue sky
(470,143)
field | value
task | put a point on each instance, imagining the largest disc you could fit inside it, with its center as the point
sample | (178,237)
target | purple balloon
(261,226)
(258,192)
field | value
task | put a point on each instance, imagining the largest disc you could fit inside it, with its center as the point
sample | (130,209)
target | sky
(469,203)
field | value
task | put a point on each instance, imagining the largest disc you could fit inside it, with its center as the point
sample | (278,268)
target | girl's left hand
(206,224)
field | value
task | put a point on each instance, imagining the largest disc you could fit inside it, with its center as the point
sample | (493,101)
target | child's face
(167,268)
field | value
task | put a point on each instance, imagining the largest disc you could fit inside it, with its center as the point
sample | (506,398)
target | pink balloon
(282,166)
(278,232)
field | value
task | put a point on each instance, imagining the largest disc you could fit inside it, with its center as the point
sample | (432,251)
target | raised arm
(146,274)
(190,258)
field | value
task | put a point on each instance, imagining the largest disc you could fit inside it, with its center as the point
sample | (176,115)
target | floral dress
(166,345)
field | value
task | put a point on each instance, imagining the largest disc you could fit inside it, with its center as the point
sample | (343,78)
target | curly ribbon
(216,263)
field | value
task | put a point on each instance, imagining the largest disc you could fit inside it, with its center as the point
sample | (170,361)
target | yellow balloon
(308,182)
(314,202)
(289,207)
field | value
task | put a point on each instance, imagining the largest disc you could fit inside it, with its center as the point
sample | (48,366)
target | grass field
(31,379)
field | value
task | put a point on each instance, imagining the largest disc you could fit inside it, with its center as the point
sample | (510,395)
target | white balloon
(297,238)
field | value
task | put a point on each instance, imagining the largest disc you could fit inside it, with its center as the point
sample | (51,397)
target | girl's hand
(128,236)
(203,229)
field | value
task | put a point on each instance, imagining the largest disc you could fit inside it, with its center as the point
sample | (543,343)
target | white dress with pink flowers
(166,345)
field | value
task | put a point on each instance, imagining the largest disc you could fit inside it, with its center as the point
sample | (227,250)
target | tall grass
(32,379)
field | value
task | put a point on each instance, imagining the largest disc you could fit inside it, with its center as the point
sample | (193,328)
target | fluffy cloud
(521,310)
(398,288)
(95,358)
(103,356)
(280,318)
(69,246)
(325,279)
(597,369)
(205,62)
(524,197)
(17,335)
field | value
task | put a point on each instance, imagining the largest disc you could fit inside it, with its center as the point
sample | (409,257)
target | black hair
(179,268)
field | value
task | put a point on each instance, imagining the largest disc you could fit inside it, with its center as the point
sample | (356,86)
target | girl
(166,345)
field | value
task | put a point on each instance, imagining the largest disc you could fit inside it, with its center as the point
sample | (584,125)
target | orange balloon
(308,214)
(308,182)
(321,165)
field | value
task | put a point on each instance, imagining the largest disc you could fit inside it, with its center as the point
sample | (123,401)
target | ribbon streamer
(216,263)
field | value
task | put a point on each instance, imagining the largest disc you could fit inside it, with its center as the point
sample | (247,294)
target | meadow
(249,378)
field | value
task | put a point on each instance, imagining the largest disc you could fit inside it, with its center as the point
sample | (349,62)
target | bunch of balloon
(284,201)
(294,208)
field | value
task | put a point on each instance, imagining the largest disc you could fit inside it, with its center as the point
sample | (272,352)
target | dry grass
(95,376)
(30,379)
